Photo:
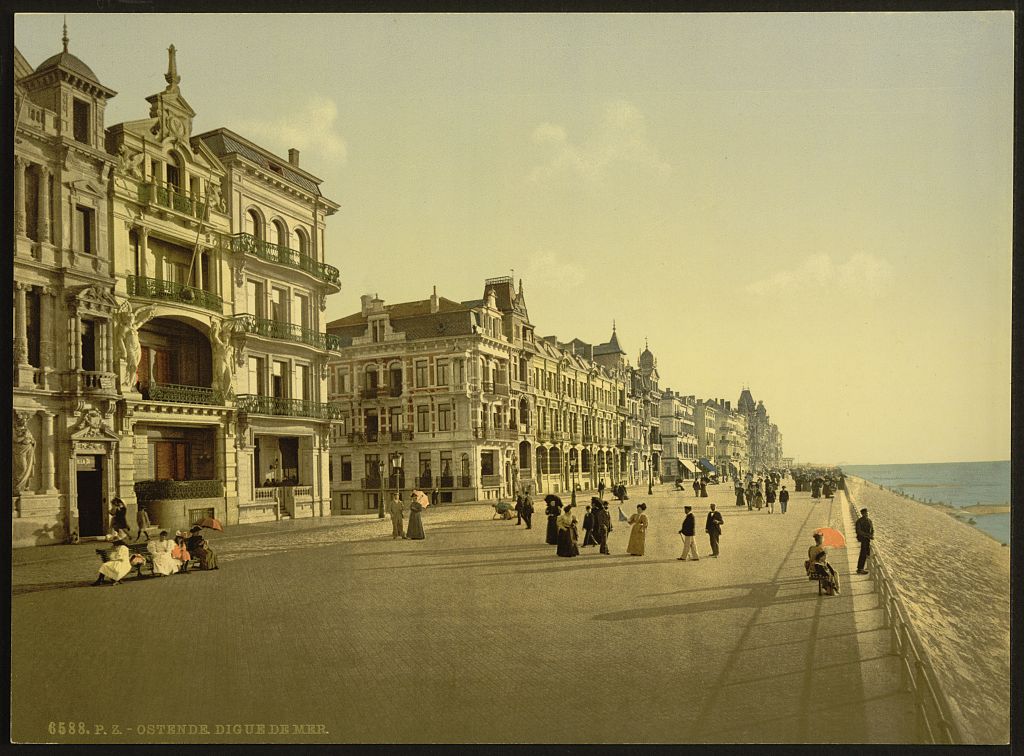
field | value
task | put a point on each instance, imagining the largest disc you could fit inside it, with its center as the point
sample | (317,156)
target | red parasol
(831,538)
(422,498)
(210,522)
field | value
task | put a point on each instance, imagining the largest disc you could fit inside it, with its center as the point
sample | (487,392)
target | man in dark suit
(713,527)
(865,533)
(526,510)
(602,525)
(687,532)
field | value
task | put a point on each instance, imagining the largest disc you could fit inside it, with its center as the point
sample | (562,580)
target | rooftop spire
(171,77)
(64,39)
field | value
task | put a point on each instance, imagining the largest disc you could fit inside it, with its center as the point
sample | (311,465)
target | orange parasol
(422,498)
(210,522)
(831,538)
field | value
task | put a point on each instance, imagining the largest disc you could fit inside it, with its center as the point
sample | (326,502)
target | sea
(958,484)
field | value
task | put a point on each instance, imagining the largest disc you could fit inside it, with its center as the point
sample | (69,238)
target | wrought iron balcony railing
(282,255)
(258,404)
(173,392)
(285,331)
(151,288)
(169,196)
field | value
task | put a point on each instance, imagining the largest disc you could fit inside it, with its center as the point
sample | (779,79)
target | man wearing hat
(865,532)
(687,532)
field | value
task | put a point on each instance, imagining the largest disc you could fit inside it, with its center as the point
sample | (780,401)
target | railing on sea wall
(934,719)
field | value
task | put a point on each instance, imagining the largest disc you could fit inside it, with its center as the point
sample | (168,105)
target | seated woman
(117,566)
(180,553)
(199,548)
(164,562)
(819,569)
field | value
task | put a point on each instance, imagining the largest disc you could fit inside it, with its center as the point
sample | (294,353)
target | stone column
(44,204)
(49,443)
(46,305)
(19,195)
(142,234)
(20,325)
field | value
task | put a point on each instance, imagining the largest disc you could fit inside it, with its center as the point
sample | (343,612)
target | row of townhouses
(170,347)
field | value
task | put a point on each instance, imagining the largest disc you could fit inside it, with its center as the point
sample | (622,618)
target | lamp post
(380,504)
(574,467)
(650,475)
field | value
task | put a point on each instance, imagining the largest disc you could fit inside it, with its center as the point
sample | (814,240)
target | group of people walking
(712,526)
(762,493)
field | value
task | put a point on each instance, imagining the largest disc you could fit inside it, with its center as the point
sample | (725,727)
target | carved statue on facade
(129,163)
(24,453)
(127,347)
(214,197)
(223,362)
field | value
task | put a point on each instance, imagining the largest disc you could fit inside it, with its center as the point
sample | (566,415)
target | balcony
(495,434)
(272,329)
(151,288)
(258,404)
(446,481)
(368,393)
(395,390)
(88,382)
(275,253)
(375,437)
(174,392)
(173,198)
(464,481)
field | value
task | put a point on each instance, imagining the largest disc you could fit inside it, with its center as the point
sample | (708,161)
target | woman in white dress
(118,566)
(163,562)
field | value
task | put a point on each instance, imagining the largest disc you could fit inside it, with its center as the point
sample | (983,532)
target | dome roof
(70,62)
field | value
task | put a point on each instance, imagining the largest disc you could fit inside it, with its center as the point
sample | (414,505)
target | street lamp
(574,466)
(380,504)
(650,475)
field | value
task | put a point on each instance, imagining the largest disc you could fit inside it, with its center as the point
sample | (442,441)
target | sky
(814,206)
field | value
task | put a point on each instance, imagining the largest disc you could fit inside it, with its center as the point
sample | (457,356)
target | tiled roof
(222,143)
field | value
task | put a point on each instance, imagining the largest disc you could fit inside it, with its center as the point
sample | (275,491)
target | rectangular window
(305,383)
(423,419)
(396,419)
(487,463)
(346,382)
(373,500)
(460,372)
(84,227)
(88,345)
(372,467)
(444,417)
(279,306)
(345,501)
(81,118)
(256,298)
(346,467)
(170,460)
(421,373)
(302,305)
(32,326)
(279,380)
(442,373)
(257,381)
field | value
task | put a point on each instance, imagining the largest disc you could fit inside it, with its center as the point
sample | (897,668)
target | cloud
(545,267)
(619,138)
(863,274)
(313,128)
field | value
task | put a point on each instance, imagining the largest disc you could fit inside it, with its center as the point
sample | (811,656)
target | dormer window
(81,121)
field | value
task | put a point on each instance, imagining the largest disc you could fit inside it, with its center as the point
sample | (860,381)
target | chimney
(293,157)
(433,301)
(364,303)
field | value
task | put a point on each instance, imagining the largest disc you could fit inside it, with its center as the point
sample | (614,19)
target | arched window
(302,241)
(280,233)
(542,460)
(254,224)
(174,171)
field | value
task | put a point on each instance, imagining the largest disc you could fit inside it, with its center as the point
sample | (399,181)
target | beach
(954,581)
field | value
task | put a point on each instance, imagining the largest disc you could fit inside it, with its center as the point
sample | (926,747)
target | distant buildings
(764,441)
(464,397)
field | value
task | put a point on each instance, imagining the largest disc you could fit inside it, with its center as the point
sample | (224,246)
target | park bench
(141,550)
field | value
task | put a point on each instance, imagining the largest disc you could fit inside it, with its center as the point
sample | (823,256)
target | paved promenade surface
(477,634)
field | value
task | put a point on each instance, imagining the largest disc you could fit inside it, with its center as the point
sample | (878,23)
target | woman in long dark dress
(414,531)
(552,512)
(588,527)
(567,535)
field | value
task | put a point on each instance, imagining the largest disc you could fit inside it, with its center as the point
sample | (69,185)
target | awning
(688,465)
(707,466)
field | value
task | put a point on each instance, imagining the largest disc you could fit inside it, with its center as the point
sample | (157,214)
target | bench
(141,550)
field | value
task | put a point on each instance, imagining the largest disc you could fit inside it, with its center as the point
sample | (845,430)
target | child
(180,552)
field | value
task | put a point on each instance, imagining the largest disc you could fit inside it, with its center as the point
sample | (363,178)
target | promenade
(477,634)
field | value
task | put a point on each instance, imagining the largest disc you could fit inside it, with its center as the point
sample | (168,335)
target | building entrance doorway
(91,509)
(289,459)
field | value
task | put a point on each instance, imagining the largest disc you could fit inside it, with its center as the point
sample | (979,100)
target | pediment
(94,297)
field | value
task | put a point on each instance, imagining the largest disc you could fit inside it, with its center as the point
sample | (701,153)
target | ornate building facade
(132,322)
(679,435)
(464,397)
(764,440)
